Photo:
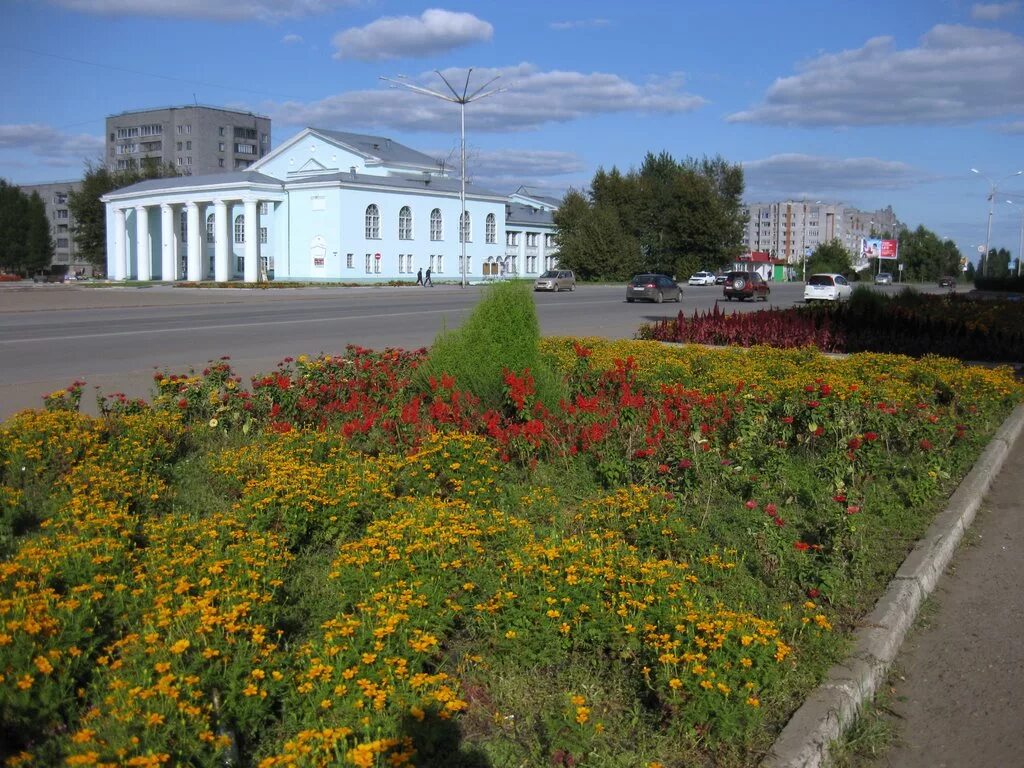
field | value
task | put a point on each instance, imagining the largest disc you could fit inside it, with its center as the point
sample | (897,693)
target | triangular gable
(308,153)
(312,167)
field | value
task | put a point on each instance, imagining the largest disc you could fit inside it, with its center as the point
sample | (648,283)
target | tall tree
(38,240)
(13,228)
(88,211)
(830,257)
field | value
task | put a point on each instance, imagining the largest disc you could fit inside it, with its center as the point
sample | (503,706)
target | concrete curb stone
(833,706)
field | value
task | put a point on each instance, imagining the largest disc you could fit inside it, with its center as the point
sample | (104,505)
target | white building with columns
(324,206)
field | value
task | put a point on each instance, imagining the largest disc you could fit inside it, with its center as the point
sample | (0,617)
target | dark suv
(745,285)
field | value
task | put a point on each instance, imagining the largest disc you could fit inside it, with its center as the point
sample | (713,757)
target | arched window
(239,228)
(210,228)
(465,228)
(405,223)
(435,224)
(491,229)
(372,222)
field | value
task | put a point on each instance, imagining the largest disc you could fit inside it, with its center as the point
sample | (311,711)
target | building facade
(324,206)
(197,140)
(55,197)
(790,230)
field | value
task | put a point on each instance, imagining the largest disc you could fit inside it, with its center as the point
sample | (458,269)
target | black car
(947,281)
(652,287)
(745,285)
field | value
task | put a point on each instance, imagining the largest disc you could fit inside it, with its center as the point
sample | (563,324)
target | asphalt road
(115,338)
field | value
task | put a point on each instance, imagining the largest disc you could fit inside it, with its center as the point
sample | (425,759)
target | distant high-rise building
(55,197)
(197,140)
(790,230)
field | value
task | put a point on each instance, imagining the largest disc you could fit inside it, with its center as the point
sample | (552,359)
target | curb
(832,707)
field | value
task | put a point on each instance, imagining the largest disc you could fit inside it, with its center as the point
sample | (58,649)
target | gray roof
(527,192)
(380,147)
(179,182)
(413,181)
(517,213)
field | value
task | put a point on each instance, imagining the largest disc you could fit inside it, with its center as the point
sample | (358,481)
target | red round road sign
(376,256)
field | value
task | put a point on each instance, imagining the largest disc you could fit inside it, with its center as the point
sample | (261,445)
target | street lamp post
(462,99)
(991,209)
(1020,246)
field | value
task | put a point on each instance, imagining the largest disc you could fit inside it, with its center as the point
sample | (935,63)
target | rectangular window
(349,260)
(263,235)
(245,149)
(179,146)
(221,130)
(264,208)
(245,133)
(180,161)
(220,146)
(369,263)
(440,263)
(188,160)
(376,264)
(61,228)
(61,213)
(60,198)
(62,242)
(220,162)
(240,264)
(188,145)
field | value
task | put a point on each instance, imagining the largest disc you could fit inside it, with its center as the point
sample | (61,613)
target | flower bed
(345,565)
(907,323)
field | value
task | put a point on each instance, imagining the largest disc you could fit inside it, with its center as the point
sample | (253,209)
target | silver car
(556,280)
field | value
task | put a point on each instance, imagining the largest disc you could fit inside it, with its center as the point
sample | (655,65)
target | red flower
(751,504)
(853,509)
(779,521)
(786,419)
(685,464)
(801,546)
(183,403)
(840,497)
(871,436)
(813,404)
(813,593)
(663,468)
(926,445)
(854,443)
(771,509)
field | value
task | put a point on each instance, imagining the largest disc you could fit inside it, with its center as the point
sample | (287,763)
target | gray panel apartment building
(55,198)
(194,139)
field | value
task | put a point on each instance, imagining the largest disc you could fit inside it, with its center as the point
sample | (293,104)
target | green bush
(502,333)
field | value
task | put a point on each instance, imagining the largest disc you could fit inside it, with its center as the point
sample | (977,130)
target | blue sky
(868,103)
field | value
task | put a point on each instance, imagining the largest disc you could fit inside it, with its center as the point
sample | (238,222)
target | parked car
(702,278)
(827,287)
(883,278)
(947,281)
(49,276)
(720,279)
(745,285)
(656,288)
(556,280)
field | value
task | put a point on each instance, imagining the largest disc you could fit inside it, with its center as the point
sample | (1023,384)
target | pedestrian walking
(419,276)
(427,280)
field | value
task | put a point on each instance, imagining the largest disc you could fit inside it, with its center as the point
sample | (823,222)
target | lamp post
(462,99)
(991,206)
(1020,246)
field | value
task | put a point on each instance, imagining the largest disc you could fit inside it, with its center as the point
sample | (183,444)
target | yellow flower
(180,647)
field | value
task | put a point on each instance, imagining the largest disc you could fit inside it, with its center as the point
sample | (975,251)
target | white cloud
(1016,127)
(291,39)
(435,31)
(49,145)
(204,9)
(504,170)
(532,99)
(957,75)
(579,24)
(812,176)
(993,11)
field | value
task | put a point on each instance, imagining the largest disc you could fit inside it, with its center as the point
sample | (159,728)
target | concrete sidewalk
(959,702)
(958,695)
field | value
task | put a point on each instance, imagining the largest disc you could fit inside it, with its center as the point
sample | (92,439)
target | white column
(120,270)
(195,243)
(252,241)
(167,260)
(221,242)
(143,254)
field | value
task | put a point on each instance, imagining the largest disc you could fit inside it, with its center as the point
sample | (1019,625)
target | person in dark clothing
(419,276)
(427,280)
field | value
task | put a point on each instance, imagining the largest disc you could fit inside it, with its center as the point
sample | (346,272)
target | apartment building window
(185,130)
(188,160)
(221,133)
(178,146)
(372,222)
(435,224)
(61,228)
(62,242)
(220,162)
(127,133)
(490,229)
(245,149)
(126,149)
(405,223)
(188,145)
(153,129)
(180,162)
(210,228)
(465,228)
(263,235)
(245,133)
(239,228)
(60,198)
(369,263)
(349,260)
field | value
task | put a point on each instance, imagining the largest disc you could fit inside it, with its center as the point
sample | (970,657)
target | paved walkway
(961,699)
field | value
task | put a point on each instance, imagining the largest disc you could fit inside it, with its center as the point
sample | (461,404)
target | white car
(702,278)
(827,287)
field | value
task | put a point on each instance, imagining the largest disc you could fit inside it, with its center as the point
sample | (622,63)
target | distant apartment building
(197,140)
(55,197)
(790,230)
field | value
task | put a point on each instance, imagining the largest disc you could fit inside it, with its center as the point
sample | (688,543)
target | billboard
(875,248)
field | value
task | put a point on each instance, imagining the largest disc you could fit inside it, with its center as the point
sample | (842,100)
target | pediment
(312,167)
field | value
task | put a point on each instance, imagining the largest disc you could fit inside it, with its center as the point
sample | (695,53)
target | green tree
(88,211)
(830,257)
(26,245)
(38,239)
(996,264)
(926,257)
